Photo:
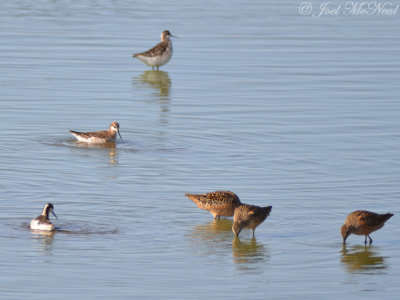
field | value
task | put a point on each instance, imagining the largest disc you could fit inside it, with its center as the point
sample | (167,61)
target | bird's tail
(387,216)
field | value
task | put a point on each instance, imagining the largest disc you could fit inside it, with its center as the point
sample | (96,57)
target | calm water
(297,112)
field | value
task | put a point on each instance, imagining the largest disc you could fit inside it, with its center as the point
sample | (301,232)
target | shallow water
(292,111)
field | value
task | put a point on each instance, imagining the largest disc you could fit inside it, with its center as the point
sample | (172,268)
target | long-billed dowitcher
(160,54)
(219,203)
(363,222)
(97,137)
(249,216)
(42,221)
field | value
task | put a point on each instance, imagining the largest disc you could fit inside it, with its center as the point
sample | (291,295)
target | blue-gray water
(293,111)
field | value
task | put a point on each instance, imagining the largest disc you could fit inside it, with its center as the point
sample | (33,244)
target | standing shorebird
(160,54)
(249,216)
(42,221)
(219,203)
(363,222)
(97,137)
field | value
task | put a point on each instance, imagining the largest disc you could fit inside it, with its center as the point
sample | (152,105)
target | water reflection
(211,238)
(362,258)
(219,229)
(160,82)
(247,254)
(111,146)
(43,241)
(217,237)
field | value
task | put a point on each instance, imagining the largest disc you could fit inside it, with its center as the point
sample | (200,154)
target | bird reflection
(43,241)
(160,82)
(214,230)
(248,253)
(216,237)
(361,258)
(211,238)
(111,146)
(113,154)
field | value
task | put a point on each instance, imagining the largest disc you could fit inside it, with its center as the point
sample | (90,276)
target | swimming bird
(160,54)
(219,203)
(96,137)
(363,222)
(249,216)
(42,221)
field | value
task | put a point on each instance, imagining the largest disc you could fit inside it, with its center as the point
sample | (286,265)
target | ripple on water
(125,145)
(78,228)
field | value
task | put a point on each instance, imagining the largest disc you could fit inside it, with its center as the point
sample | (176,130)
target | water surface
(292,111)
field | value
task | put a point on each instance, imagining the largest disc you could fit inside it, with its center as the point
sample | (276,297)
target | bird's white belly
(157,61)
(37,225)
(93,139)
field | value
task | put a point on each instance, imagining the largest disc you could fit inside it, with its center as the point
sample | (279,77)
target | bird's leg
(370,240)
(365,242)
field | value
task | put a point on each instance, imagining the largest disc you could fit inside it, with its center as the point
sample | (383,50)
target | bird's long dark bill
(120,136)
(345,238)
(54,214)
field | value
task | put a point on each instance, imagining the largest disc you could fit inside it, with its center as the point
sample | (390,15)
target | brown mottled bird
(363,222)
(98,137)
(249,216)
(219,203)
(160,54)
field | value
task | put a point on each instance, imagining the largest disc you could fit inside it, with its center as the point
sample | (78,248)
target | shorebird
(42,221)
(219,203)
(160,54)
(363,222)
(96,137)
(249,216)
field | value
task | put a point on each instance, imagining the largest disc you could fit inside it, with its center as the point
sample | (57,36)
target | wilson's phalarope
(96,137)
(219,203)
(249,216)
(42,222)
(363,222)
(160,54)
